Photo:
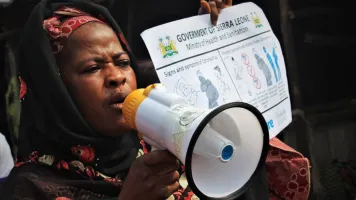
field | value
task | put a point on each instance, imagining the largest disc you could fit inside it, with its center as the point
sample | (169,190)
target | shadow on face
(98,75)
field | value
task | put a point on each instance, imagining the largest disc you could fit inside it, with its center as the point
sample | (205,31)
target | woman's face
(98,75)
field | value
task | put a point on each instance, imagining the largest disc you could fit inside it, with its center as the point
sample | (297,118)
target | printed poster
(239,59)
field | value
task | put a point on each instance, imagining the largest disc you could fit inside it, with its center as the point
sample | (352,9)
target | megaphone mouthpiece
(227,152)
(213,145)
(131,104)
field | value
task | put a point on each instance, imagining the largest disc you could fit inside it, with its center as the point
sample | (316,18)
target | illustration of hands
(187,91)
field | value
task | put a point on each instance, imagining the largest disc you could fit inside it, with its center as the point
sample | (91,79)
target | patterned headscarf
(64,22)
(60,26)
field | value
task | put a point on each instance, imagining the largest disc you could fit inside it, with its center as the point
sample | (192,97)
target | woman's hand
(152,176)
(213,7)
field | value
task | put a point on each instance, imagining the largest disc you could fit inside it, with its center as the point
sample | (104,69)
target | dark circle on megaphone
(195,137)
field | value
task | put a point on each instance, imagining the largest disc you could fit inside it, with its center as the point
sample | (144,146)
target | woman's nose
(115,77)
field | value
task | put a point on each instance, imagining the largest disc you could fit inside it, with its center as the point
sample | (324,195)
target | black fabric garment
(33,179)
(36,182)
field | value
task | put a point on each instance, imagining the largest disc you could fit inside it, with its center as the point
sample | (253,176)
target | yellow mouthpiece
(132,103)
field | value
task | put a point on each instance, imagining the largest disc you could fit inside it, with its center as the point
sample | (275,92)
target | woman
(73,140)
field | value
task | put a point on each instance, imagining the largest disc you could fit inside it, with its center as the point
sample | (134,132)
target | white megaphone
(221,148)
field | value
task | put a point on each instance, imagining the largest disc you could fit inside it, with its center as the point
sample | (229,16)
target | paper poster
(239,59)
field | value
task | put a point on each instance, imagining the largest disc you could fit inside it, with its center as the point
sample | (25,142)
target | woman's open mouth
(117,100)
(117,105)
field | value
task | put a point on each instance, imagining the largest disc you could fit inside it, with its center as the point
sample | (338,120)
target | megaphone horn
(221,148)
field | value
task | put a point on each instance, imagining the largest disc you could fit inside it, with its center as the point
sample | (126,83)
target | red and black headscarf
(63,23)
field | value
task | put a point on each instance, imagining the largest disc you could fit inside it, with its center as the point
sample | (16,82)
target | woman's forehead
(92,42)
(95,35)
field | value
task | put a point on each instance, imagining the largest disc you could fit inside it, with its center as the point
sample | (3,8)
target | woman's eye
(123,63)
(92,69)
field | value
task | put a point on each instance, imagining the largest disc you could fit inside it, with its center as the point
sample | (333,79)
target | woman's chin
(122,127)
(116,128)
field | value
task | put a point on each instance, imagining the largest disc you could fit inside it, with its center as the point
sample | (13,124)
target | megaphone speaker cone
(245,133)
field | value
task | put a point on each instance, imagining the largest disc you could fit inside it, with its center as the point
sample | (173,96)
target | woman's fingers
(159,157)
(169,178)
(204,8)
(227,3)
(219,4)
(213,7)
(169,190)
(214,14)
